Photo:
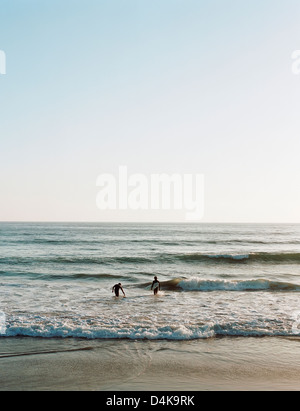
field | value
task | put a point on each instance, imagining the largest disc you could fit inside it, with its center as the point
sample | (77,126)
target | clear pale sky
(168,86)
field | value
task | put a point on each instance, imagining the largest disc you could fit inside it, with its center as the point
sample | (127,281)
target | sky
(171,86)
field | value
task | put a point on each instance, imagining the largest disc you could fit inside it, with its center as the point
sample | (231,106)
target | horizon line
(146,222)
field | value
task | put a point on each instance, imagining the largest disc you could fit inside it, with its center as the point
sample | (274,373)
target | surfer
(116,288)
(155,285)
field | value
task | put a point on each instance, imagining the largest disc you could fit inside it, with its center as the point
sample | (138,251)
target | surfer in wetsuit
(116,288)
(155,285)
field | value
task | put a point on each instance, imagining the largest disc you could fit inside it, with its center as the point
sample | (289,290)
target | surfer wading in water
(155,285)
(116,288)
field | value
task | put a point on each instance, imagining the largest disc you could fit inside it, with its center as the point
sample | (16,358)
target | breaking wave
(197,284)
(45,327)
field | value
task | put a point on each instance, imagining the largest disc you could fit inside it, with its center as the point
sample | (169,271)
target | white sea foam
(202,323)
(196,284)
(168,332)
(136,333)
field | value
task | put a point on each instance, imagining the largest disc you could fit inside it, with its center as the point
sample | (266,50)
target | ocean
(217,280)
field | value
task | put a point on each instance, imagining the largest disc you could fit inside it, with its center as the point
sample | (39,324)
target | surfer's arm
(123,291)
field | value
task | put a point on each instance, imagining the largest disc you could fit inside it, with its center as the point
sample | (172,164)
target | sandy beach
(35,364)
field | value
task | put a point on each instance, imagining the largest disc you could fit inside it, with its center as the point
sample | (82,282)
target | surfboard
(155,286)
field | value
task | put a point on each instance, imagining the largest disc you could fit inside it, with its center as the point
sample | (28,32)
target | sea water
(216,280)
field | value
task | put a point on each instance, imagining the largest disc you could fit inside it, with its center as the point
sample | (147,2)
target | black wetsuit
(117,288)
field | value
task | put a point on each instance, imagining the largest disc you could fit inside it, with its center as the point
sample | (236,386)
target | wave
(197,284)
(158,258)
(179,331)
(180,284)
(258,257)
(104,260)
(66,276)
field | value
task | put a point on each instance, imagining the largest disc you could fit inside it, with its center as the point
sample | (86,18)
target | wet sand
(34,364)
